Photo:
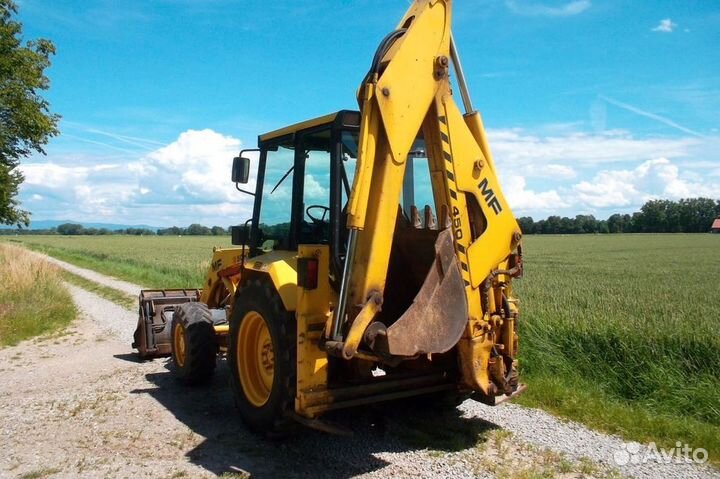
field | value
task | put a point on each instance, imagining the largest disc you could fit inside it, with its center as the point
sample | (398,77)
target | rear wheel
(194,349)
(262,357)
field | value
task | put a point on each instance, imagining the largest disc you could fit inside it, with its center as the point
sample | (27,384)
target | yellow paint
(312,313)
(406,90)
(357,206)
(281,267)
(413,92)
(221,329)
(299,126)
(475,124)
(215,286)
(255,358)
(496,243)
(179,344)
(362,321)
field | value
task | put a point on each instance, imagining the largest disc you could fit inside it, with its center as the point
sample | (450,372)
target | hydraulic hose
(382,49)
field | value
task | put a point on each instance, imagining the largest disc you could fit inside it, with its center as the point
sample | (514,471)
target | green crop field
(150,261)
(621,332)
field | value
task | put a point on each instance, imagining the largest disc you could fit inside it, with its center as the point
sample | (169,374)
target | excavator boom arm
(407,93)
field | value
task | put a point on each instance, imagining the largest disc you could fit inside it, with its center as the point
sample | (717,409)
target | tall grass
(150,261)
(33,300)
(623,332)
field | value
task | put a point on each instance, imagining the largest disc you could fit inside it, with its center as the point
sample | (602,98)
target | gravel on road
(544,430)
(110,282)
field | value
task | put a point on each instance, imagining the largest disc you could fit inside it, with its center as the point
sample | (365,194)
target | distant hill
(47,224)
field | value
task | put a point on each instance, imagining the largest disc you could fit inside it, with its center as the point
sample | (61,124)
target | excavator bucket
(438,315)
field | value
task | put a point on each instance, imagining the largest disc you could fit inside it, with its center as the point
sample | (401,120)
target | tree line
(691,215)
(73,229)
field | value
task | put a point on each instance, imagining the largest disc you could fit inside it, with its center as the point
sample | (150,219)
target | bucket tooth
(430,222)
(437,317)
(415,218)
(444,218)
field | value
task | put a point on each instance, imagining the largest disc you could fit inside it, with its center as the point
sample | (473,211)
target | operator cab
(304,177)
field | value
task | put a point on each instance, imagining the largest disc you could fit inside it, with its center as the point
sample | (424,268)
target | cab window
(314,225)
(275,210)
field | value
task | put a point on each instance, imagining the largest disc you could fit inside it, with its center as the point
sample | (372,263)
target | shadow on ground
(399,427)
(129,357)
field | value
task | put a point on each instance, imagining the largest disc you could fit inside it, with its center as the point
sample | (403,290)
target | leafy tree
(26,122)
(198,230)
(602,227)
(70,229)
(552,225)
(697,214)
(615,223)
(137,232)
(218,231)
(172,231)
(527,225)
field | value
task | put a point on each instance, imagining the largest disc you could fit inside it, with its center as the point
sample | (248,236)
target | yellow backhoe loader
(378,262)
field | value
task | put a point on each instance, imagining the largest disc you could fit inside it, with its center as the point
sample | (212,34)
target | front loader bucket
(438,315)
(152,335)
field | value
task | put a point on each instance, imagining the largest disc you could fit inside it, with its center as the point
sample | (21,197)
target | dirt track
(78,404)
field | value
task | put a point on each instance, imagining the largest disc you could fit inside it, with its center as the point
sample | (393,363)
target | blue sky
(591,107)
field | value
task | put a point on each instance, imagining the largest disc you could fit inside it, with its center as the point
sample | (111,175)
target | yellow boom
(408,91)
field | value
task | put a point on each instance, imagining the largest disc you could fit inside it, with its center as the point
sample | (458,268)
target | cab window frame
(335,200)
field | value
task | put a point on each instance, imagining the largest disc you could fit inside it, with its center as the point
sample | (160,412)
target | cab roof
(345,118)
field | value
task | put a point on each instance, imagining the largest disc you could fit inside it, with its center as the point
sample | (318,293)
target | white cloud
(516,149)
(657,178)
(523,7)
(522,199)
(665,26)
(561,171)
(50,175)
(551,171)
(314,190)
(196,166)
(610,190)
(185,181)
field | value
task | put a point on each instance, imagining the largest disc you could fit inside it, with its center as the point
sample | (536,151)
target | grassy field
(33,300)
(150,261)
(620,332)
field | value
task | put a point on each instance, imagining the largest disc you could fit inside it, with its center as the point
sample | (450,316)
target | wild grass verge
(33,300)
(152,262)
(127,301)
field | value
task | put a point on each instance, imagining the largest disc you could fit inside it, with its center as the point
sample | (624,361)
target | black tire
(261,297)
(200,355)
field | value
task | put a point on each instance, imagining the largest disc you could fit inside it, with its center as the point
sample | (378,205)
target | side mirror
(240,235)
(240,170)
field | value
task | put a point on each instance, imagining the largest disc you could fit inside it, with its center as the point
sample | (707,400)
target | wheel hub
(255,358)
(179,344)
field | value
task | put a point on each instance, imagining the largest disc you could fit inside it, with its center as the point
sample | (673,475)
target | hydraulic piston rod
(462,85)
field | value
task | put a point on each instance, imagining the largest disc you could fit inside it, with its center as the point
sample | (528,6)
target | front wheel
(262,357)
(194,348)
